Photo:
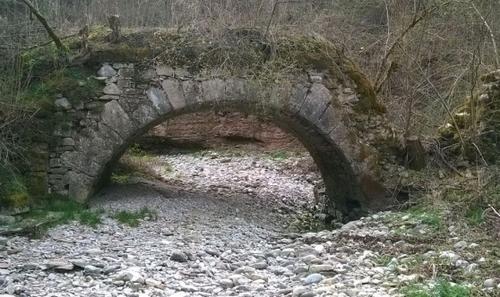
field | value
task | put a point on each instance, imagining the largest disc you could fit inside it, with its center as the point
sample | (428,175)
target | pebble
(460,245)
(489,283)
(210,239)
(179,256)
(313,279)
(321,268)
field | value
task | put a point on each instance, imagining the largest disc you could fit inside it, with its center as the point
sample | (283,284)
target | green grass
(120,177)
(59,210)
(383,260)
(475,216)
(13,191)
(428,217)
(279,155)
(441,289)
(90,218)
(133,218)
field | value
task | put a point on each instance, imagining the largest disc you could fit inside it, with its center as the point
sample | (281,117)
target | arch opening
(192,154)
(341,191)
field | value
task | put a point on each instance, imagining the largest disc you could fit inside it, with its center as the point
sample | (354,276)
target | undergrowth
(133,218)
(441,289)
(13,191)
(77,84)
(63,210)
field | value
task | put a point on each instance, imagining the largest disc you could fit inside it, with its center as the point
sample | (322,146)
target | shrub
(13,192)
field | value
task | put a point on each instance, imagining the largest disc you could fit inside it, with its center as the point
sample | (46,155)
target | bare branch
(492,35)
(44,23)
(384,70)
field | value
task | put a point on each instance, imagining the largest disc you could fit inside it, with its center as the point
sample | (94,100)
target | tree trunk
(114,24)
(415,154)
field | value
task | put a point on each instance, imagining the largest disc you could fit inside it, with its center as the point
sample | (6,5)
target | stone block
(62,104)
(330,119)
(175,95)
(117,119)
(68,141)
(112,89)
(159,99)
(163,70)
(213,90)
(106,71)
(297,98)
(192,92)
(316,103)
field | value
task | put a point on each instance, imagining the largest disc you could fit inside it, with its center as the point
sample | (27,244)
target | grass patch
(383,260)
(440,289)
(133,218)
(279,155)
(475,216)
(13,191)
(431,218)
(57,210)
(120,176)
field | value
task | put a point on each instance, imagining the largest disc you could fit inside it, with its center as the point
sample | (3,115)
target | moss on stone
(76,84)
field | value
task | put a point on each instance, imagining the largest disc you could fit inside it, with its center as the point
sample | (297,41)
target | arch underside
(305,111)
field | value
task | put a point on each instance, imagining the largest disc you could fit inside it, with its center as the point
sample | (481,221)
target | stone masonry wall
(136,98)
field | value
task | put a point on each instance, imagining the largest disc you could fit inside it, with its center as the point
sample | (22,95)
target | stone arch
(134,101)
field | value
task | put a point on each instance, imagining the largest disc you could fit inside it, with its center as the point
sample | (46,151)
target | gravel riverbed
(219,230)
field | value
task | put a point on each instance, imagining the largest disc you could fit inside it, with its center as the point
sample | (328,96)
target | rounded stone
(313,279)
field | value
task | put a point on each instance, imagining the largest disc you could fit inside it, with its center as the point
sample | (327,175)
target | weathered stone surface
(62,103)
(112,89)
(117,119)
(213,90)
(131,105)
(163,70)
(175,95)
(192,92)
(159,99)
(297,99)
(106,71)
(316,102)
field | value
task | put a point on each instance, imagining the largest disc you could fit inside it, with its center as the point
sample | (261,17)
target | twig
(490,31)
(384,71)
(494,210)
(49,42)
(276,2)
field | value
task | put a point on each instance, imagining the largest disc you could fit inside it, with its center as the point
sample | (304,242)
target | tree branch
(490,31)
(384,70)
(45,24)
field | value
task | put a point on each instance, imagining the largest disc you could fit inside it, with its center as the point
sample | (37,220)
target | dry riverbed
(224,224)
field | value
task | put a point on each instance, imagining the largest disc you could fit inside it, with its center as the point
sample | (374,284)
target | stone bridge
(135,98)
